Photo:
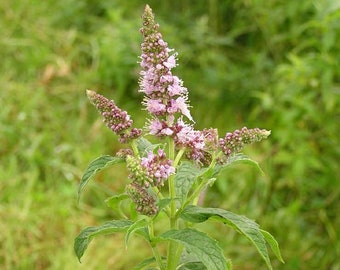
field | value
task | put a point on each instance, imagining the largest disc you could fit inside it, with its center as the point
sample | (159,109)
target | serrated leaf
(243,225)
(199,243)
(274,245)
(138,225)
(94,167)
(144,146)
(113,201)
(185,177)
(82,241)
(238,158)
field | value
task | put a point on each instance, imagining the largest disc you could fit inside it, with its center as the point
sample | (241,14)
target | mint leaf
(193,266)
(144,146)
(238,158)
(113,201)
(82,241)
(243,225)
(138,225)
(200,244)
(273,244)
(94,167)
(185,177)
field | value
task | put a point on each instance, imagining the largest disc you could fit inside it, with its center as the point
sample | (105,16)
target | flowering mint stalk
(165,96)
(166,179)
(114,118)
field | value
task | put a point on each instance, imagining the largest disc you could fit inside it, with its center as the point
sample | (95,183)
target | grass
(261,69)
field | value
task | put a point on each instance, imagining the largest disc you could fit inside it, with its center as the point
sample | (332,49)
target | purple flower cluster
(146,172)
(152,170)
(186,137)
(114,118)
(145,202)
(166,101)
(165,95)
(158,167)
(234,142)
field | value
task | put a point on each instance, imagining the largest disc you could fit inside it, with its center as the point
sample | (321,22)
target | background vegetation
(272,64)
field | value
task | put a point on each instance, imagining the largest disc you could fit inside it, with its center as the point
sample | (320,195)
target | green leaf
(94,167)
(163,203)
(184,179)
(243,225)
(193,266)
(238,158)
(113,201)
(274,245)
(199,243)
(144,146)
(82,241)
(138,225)
(144,263)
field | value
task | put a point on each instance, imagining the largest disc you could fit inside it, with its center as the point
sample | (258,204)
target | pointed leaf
(144,146)
(274,245)
(163,203)
(82,241)
(139,224)
(199,243)
(238,158)
(184,179)
(243,225)
(113,201)
(94,167)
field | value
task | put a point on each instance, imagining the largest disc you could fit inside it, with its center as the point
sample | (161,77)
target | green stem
(178,157)
(154,248)
(172,247)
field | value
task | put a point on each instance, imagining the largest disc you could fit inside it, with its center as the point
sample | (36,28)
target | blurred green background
(269,64)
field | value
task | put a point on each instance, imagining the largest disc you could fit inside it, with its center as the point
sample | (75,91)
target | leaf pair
(204,248)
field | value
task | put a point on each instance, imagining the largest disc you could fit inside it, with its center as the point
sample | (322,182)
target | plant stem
(154,248)
(172,247)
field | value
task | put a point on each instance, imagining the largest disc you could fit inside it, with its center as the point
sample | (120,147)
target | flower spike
(234,142)
(114,118)
(165,95)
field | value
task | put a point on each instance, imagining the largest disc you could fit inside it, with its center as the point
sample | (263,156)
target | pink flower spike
(165,95)
(114,118)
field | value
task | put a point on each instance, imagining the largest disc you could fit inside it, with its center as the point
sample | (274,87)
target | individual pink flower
(156,106)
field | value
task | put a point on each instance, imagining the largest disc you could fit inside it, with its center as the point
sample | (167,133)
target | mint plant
(166,179)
